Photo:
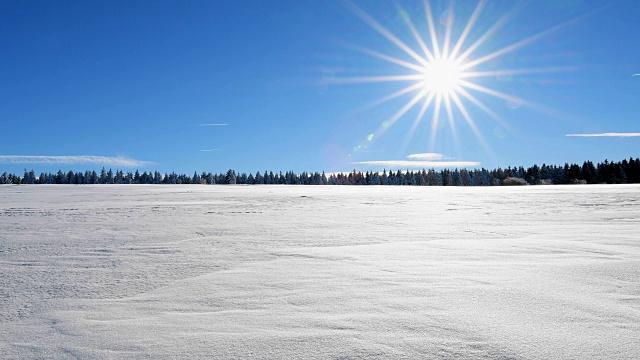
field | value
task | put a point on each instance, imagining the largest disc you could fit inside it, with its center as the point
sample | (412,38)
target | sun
(442,77)
(442,72)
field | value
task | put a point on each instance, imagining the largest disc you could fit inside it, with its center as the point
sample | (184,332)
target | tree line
(622,172)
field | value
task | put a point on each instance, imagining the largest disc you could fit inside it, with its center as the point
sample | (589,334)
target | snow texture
(321,272)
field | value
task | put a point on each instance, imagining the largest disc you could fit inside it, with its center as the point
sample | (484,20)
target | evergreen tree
(230,178)
(29,177)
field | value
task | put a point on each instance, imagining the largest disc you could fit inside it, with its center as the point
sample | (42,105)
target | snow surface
(326,272)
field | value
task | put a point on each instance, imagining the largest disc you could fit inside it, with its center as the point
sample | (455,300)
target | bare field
(320,272)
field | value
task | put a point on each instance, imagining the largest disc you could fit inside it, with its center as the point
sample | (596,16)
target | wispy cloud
(422,161)
(607,135)
(419,164)
(209,150)
(426,156)
(69,160)
(212,124)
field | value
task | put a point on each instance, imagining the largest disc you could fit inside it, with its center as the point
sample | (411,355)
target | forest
(622,172)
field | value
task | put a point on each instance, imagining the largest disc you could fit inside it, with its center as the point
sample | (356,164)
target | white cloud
(209,150)
(81,159)
(426,156)
(213,124)
(607,135)
(419,164)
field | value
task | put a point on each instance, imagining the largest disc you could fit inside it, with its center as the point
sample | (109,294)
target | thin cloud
(209,150)
(212,124)
(426,156)
(606,135)
(419,164)
(71,160)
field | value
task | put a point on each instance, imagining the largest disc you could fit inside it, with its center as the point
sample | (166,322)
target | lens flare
(442,77)
(444,71)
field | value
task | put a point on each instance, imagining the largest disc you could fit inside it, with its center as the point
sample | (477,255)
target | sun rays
(442,72)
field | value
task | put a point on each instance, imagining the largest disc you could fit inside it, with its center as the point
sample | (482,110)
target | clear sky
(316,85)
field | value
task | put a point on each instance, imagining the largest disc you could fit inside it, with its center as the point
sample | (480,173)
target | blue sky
(294,85)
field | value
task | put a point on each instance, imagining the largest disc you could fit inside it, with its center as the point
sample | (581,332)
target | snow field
(319,272)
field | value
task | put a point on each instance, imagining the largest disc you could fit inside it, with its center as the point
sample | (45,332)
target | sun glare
(441,77)
(443,72)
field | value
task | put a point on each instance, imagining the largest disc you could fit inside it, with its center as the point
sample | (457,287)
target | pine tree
(230,178)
